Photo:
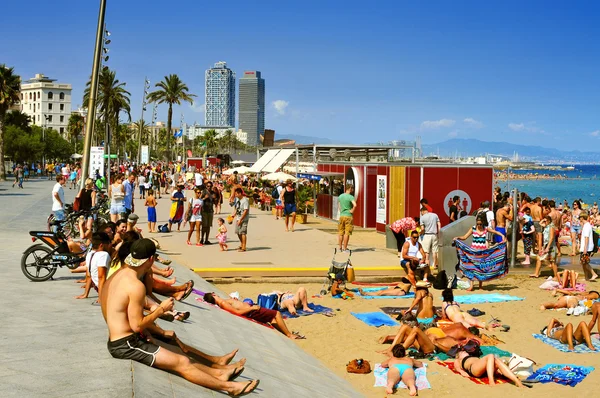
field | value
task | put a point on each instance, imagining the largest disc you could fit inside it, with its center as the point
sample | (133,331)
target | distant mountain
(473,147)
(304,139)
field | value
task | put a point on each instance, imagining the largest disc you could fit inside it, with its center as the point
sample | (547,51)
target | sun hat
(141,251)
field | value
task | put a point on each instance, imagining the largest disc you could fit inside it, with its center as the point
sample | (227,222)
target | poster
(381,199)
(145,154)
(96,160)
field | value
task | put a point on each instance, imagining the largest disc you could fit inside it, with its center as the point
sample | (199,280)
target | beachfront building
(192,131)
(220,96)
(252,106)
(46,102)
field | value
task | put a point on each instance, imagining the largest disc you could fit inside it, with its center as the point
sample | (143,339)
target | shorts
(196,218)
(430,243)
(290,208)
(59,215)
(406,264)
(575,228)
(345,226)
(262,315)
(241,229)
(538,227)
(151,214)
(278,204)
(133,347)
(207,219)
(497,238)
(117,209)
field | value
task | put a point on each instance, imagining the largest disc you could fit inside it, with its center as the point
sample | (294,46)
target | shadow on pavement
(253,249)
(363,249)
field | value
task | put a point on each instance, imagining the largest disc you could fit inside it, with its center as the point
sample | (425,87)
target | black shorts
(133,347)
(207,219)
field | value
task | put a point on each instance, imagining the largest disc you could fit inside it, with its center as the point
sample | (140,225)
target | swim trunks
(133,347)
(262,315)
(497,238)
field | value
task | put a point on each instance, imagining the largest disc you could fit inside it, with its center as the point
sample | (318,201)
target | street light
(146,88)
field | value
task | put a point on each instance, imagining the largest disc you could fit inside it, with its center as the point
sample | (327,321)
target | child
(401,369)
(151,204)
(72,178)
(338,287)
(222,235)
(528,231)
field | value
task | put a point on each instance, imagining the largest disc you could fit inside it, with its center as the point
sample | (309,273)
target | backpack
(163,228)
(595,237)
(275,193)
(268,301)
(441,281)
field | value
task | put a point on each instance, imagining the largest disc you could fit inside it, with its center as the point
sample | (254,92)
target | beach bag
(441,281)
(359,366)
(76,204)
(350,276)
(595,238)
(268,301)
(521,366)
(163,228)
(275,193)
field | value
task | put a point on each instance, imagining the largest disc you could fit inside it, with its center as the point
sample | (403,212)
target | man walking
(241,210)
(128,199)
(58,198)
(586,246)
(208,197)
(430,229)
(347,205)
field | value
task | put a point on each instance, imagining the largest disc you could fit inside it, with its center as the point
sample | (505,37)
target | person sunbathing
(595,317)
(292,302)
(442,339)
(564,333)
(401,367)
(409,336)
(567,279)
(569,300)
(254,312)
(401,289)
(489,365)
(425,310)
(451,310)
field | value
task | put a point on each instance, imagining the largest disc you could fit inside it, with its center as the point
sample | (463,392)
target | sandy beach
(339,339)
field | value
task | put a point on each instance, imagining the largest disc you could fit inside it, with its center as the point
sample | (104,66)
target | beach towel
(482,264)
(567,375)
(550,284)
(420,381)
(485,298)
(376,319)
(318,309)
(579,348)
(410,295)
(397,311)
(481,380)
(267,325)
(373,284)
(484,349)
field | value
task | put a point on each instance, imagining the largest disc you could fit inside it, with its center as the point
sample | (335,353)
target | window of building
(29,95)
(62,119)
(29,106)
(49,118)
(61,96)
(49,107)
(21,96)
(62,107)
(62,130)
(34,107)
(38,118)
(50,95)
(34,96)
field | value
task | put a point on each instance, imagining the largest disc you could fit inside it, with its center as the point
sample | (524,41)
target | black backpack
(441,281)
(595,238)
(275,193)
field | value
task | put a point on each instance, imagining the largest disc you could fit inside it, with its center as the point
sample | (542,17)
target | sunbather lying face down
(451,310)
(490,366)
(401,368)
(565,334)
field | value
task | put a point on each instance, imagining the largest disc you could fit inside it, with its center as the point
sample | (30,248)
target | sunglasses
(414,237)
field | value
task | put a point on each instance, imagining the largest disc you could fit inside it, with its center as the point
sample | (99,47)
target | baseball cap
(141,251)
(132,218)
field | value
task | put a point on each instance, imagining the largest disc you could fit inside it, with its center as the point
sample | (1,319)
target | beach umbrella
(76,156)
(278,176)
(238,162)
(240,170)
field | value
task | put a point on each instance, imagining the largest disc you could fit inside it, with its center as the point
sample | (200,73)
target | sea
(582,183)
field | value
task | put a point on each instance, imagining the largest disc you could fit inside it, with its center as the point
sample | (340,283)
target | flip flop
(245,390)
(505,328)
(167,317)
(166,262)
(236,373)
(188,291)
(183,315)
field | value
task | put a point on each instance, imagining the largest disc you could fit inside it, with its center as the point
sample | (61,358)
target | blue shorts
(576,229)
(497,238)
(289,208)
(117,209)
(59,215)
(151,214)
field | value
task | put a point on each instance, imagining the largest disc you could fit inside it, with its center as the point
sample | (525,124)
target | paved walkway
(52,345)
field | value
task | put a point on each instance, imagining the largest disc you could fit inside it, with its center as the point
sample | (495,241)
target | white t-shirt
(65,171)
(280,191)
(489,215)
(141,181)
(56,205)
(198,178)
(101,259)
(586,231)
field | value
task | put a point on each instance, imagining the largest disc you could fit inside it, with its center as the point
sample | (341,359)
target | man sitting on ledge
(122,300)
(254,312)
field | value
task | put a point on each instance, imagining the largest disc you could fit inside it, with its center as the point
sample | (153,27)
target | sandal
(166,262)
(188,291)
(182,316)
(167,317)
(188,243)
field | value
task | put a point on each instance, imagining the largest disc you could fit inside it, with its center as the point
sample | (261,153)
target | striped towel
(482,265)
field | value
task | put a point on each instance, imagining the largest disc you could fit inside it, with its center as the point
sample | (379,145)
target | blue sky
(522,72)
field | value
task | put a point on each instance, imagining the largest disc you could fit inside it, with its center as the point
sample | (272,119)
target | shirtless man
(557,219)
(504,214)
(122,301)
(536,214)
(254,312)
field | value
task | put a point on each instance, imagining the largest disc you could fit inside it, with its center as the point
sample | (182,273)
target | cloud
(198,108)
(595,133)
(280,106)
(453,134)
(526,127)
(516,127)
(436,124)
(473,123)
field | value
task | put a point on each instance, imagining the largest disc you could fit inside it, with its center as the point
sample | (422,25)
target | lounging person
(425,310)
(569,299)
(254,312)
(567,279)
(489,365)
(291,301)
(401,368)
(401,289)
(122,300)
(338,287)
(97,261)
(595,317)
(564,333)
(451,311)
(413,258)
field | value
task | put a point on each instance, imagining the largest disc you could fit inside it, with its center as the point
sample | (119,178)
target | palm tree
(171,91)
(10,86)
(210,141)
(75,128)
(227,140)
(145,129)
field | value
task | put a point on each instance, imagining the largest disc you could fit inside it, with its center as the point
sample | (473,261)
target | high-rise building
(46,102)
(220,96)
(252,106)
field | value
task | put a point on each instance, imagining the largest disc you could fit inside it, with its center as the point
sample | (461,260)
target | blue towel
(485,298)
(579,348)
(375,318)
(318,309)
(568,375)
(375,289)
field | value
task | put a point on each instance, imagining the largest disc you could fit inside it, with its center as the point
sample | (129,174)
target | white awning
(278,160)
(264,160)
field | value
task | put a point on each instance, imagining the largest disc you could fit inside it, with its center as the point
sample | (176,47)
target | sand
(337,340)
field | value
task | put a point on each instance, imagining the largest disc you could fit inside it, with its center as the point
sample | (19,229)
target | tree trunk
(169,121)
(2,171)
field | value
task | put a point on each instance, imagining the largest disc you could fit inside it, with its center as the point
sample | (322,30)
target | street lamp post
(146,87)
(89,128)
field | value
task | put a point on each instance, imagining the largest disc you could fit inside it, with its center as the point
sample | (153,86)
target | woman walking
(87,200)
(195,212)
(176,214)
(117,196)
(548,251)
(289,205)
(575,226)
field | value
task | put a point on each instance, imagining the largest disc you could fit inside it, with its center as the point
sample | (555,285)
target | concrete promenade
(52,345)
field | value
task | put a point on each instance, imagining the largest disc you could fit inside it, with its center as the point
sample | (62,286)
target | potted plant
(304,204)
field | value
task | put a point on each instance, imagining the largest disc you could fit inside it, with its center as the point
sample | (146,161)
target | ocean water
(582,183)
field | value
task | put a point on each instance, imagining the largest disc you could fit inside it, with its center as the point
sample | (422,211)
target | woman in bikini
(569,299)
(401,289)
(292,302)
(471,366)
(451,310)
(565,334)
(425,310)
(401,367)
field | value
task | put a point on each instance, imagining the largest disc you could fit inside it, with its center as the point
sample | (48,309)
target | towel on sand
(318,309)
(484,349)
(381,377)
(376,319)
(579,348)
(549,284)
(567,375)
(481,380)
(485,298)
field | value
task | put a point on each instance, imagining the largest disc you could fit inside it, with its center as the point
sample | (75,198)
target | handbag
(521,366)
(359,366)
(350,276)
(76,204)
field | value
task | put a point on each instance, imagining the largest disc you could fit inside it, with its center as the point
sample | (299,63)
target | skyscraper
(252,106)
(220,96)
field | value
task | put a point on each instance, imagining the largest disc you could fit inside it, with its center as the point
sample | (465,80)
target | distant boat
(570,168)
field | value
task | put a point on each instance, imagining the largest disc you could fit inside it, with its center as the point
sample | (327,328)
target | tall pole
(515,230)
(93,94)
(108,151)
(182,141)
(146,86)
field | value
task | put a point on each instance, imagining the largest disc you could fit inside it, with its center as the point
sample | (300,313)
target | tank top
(85,199)
(479,239)
(289,197)
(118,196)
(413,250)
